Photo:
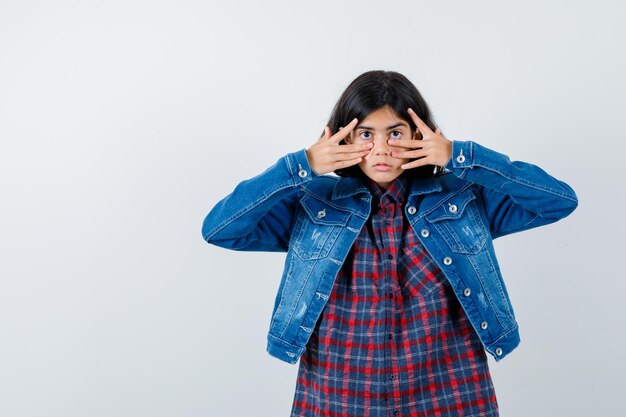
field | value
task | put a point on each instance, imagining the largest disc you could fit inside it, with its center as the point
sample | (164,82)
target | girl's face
(378,127)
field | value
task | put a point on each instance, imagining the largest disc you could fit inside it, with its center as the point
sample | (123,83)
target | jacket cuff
(462,157)
(299,167)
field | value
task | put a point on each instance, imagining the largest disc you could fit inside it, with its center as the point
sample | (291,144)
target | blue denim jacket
(481,195)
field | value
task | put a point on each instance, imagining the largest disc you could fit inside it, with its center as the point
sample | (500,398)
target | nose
(381,147)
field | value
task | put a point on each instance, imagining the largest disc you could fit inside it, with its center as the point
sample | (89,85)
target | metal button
(321,213)
(452,208)
(447,260)
(467,292)
(460,159)
(483,325)
(425,233)
(411,210)
(302,173)
(498,351)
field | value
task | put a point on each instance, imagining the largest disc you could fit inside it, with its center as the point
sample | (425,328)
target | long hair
(369,92)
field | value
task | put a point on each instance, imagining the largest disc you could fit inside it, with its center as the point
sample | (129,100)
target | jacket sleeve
(516,195)
(257,215)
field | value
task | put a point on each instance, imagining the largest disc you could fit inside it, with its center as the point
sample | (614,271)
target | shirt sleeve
(516,195)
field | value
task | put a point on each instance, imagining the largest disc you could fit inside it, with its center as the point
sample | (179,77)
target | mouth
(382,166)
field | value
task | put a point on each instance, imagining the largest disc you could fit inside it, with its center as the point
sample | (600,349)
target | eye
(365,132)
(399,133)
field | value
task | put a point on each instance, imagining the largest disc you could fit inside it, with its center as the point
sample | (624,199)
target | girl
(391,293)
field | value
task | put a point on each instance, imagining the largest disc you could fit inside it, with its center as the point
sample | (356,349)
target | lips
(381,166)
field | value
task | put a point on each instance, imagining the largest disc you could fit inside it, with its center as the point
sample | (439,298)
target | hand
(327,155)
(432,149)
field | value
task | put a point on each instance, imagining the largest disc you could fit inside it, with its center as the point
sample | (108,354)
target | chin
(384,176)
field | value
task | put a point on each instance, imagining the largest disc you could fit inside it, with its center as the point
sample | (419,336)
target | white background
(123,122)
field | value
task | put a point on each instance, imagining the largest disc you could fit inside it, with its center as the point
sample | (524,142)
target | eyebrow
(388,128)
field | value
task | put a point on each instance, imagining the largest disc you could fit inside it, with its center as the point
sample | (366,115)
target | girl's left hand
(432,149)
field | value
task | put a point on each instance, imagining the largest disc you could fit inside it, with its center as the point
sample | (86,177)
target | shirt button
(447,260)
(393,377)
(467,292)
(483,325)
(425,233)
(460,159)
(411,210)
(390,256)
(390,295)
(396,412)
(498,351)
(390,336)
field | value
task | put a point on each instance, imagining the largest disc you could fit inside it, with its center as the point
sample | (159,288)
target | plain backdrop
(123,122)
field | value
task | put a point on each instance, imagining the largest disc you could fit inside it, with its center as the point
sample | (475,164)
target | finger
(422,127)
(341,156)
(344,131)
(407,143)
(409,154)
(417,163)
(346,163)
(324,135)
(356,147)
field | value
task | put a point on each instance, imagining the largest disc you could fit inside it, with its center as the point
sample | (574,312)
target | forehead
(382,118)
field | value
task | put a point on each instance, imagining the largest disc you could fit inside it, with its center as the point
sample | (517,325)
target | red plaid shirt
(393,339)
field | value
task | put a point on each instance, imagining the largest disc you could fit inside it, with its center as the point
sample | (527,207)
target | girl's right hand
(327,155)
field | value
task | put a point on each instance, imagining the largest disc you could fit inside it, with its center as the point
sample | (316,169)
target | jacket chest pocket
(459,223)
(317,227)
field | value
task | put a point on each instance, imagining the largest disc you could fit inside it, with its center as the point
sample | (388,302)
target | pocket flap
(322,212)
(452,208)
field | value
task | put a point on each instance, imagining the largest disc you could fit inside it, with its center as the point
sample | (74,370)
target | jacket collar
(419,186)
(348,186)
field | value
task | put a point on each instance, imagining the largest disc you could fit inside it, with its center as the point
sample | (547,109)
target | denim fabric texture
(315,219)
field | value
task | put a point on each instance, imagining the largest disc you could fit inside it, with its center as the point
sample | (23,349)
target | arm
(257,215)
(517,195)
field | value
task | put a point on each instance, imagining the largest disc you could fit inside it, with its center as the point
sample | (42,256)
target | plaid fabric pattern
(393,339)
